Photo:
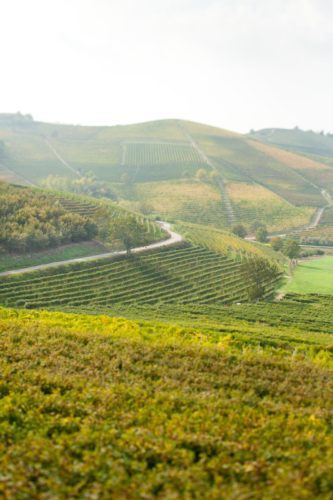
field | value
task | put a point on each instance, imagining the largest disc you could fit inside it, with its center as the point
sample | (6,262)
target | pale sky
(237,64)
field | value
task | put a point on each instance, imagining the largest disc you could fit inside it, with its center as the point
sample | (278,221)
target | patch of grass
(66,252)
(312,276)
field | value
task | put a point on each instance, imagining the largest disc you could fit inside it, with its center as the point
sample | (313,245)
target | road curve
(173,238)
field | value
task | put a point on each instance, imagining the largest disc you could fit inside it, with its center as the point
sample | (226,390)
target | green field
(312,276)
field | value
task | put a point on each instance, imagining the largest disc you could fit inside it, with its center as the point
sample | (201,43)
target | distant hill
(305,142)
(174,169)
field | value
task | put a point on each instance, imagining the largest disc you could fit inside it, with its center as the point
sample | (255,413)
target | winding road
(172,240)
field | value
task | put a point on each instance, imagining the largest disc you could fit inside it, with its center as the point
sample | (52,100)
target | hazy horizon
(237,65)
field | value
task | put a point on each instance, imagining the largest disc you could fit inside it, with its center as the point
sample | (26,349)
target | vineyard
(150,154)
(191,201)
(158,161)
(252,202)
(173,275)
(241,160)
(222,242)
(319,235)
(106,211)
(312,313)
(107,407)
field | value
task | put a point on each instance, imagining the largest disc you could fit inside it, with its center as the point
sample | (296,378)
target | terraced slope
(215,268)
(173,275)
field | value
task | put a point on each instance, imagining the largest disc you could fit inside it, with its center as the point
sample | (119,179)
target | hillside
(208,267)
(174,169)
(112,408)
(38,224)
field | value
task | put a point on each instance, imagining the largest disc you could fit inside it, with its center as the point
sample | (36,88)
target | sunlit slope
(105,407)
(189,200)
(253,202)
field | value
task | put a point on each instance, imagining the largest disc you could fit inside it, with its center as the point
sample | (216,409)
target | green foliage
(239,230)
(106,407)
(87,185)
(257,272)
(262,234)
(291,248)
(128,231)
(30,221)
(276,243)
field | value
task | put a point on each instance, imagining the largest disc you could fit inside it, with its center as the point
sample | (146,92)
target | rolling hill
(174,169)
(308,143)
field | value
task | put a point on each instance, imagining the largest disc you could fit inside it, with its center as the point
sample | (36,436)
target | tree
(276,243)
(255,226)
(239,230)
(128,231)
(256,272)
(291,248)
(262,234)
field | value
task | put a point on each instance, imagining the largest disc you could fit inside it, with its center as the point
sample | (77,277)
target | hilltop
(174,169)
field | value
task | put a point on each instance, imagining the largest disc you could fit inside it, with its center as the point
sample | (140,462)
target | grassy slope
(312,276)
(129,409)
